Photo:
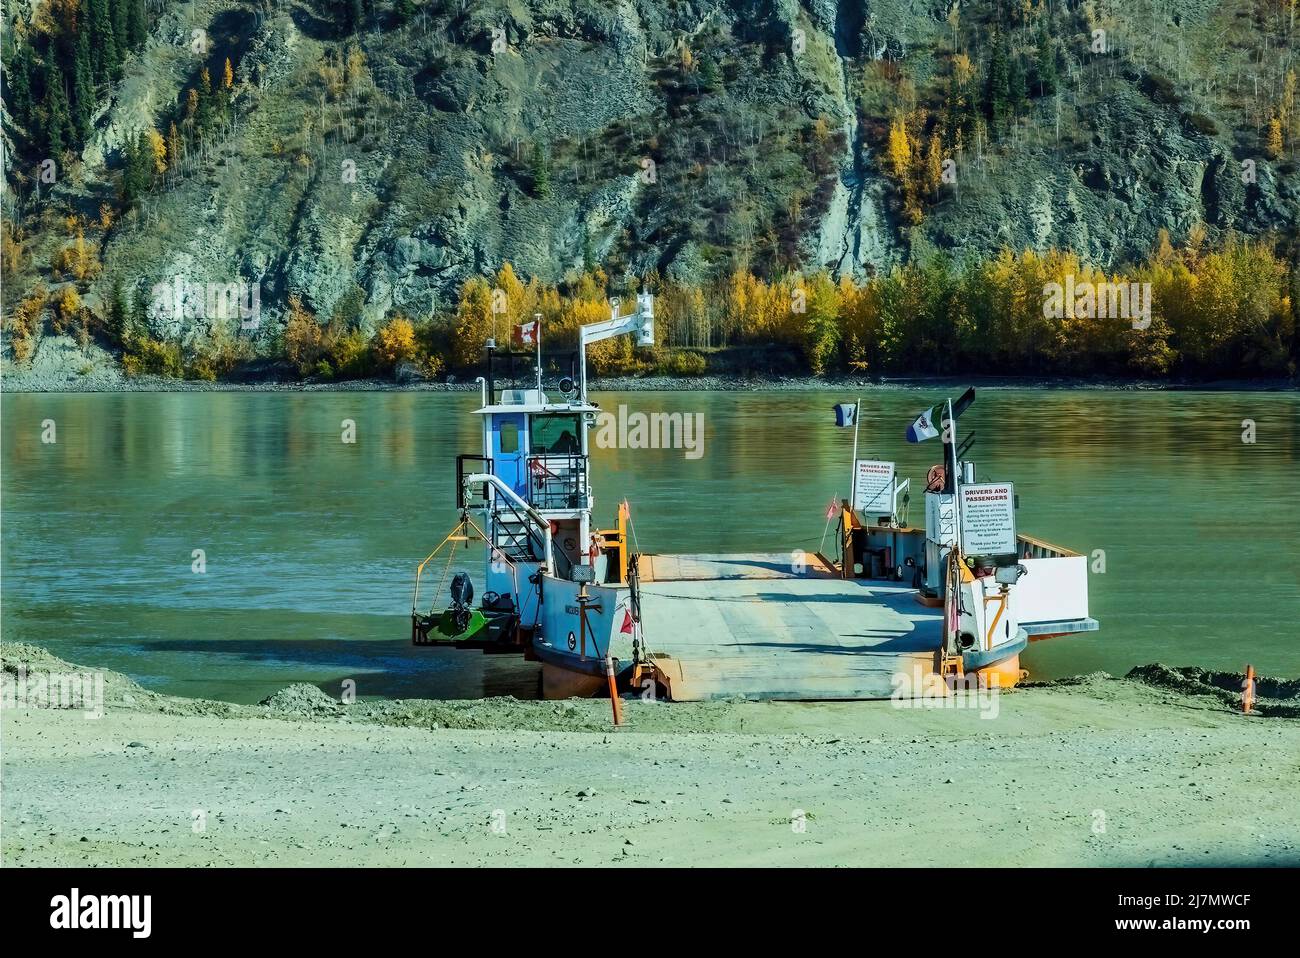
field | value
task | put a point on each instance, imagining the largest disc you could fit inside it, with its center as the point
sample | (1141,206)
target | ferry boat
(898,611)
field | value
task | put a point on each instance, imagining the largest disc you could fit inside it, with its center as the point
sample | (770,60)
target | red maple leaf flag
(627,622)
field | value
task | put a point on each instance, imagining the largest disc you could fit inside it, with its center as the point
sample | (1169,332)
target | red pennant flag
(830,510)
(627,622)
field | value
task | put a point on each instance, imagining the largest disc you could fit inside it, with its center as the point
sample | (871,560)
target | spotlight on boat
(568,388)
(1010,574)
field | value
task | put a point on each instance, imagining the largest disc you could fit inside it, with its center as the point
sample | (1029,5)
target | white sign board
(988,519)
(873,488)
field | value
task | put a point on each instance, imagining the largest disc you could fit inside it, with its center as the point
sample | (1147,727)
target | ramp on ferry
(753,626)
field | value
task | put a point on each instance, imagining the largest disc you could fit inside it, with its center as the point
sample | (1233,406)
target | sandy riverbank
(1095,771)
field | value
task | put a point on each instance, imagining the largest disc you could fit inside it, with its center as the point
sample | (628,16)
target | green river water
(310,543)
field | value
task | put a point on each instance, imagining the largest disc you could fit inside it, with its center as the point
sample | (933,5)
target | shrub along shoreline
(1189,315)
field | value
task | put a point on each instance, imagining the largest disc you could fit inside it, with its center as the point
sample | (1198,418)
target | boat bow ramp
(761,626)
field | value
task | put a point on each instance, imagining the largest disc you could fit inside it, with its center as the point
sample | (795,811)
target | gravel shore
(62,366)
(102,381)
(1089,771)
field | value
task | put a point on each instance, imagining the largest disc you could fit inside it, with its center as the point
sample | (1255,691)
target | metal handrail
(571,480)
(461,473)
(1034,548)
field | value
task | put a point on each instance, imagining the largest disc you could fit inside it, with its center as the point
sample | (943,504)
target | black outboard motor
(462,594)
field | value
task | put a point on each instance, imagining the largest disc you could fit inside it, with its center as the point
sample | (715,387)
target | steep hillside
(362,158)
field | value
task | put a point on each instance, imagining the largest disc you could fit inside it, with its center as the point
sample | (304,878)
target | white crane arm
(641,322)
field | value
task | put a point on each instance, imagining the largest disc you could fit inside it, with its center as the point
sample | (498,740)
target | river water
(309,543)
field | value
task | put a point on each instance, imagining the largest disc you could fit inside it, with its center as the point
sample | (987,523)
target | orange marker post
(615,702)
(1248,691)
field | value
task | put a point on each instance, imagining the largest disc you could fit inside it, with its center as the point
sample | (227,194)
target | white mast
(537,322)
(956,475)
(853,479)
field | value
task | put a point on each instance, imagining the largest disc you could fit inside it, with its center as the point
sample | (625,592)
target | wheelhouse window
(509,437)
(555,435)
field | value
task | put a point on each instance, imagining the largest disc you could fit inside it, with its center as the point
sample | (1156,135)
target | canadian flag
(528,333)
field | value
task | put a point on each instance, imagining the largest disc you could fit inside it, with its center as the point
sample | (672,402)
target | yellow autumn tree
(78,259)
(24,324)
(819,327)
(898,150)
(934,164)
(962,69)
(512,302)
(11,249)
(473,322)
(157,150)
(302,337)
(395,342)
(67,307)
(1273,138)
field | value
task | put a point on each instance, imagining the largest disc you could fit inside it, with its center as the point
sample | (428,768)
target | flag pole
(537,319)
(956,477)
(853,476)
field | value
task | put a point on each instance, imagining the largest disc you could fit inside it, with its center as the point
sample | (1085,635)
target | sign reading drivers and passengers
(988,519)
(873,488)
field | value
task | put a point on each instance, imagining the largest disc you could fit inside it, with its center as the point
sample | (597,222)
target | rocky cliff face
(374,161)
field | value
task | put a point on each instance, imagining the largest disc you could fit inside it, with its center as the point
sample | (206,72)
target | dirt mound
(302,699)
(1090,679)
(1274,697)
(28,672)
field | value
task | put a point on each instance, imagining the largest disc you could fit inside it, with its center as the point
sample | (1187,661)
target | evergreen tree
(204,110)
(83,87)
(997,86)
(137,24)
(58,122)
(130,174)
(541,172)
(138,175)
(18,81)
(354,16)
(95,17)
(405,9)
(136,322)
(709,76)
(115,319)
(1017,84)
(117,11)
(1045,66)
